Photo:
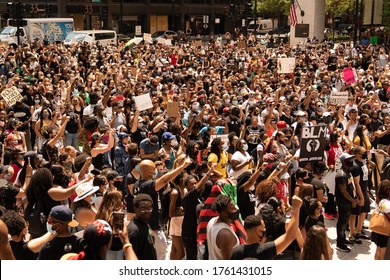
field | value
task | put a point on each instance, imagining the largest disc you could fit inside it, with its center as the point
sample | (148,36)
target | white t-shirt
(238,156)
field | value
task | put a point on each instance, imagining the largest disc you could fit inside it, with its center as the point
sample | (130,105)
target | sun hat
(85,190)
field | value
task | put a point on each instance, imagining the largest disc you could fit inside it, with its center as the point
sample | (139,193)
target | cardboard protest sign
(197,43)
(286,65)
(143,102)
(241,45)
(133,71)
(11,95)
(148,38)
(173,109)
(349,76)
(312,145)
(338,98)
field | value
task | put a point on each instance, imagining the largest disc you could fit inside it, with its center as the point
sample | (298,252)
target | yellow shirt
(366,142)
(222,163)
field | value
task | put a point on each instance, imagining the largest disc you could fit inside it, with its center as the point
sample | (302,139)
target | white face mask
(245,147)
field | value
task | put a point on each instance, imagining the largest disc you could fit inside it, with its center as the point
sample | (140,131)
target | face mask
(194,106)
(7,177)
(348,164)
(225,147)
(245,147)
(217,104)
(160,174)
(49,228)
(234,216)
(202,103)
(235,102)
(263,234)
(93,199)
(45,115)
(107,186)
(167,162)
(37,101)
(137,168)
(155,174)
(364,156)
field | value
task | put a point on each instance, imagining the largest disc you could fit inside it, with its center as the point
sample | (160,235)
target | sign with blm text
(338,98)
(312,144)
(11,95)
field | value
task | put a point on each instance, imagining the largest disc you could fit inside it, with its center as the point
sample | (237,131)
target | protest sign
(286,65)
(197,43)
(349,76)
(173,109)
(148,38)
(133,71)
(374,40)
(11,95)
(143,102)
(312,145)
(338,98)
(241,45)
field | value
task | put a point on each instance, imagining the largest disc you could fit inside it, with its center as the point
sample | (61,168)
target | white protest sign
(224,138)
(338,98)
(11,95)
(148,38)
(286,65)
(143,102)
(161,41)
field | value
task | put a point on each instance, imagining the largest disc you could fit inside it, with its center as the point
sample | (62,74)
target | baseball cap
(63,214)
(168,136)
(346,156)
(122,135)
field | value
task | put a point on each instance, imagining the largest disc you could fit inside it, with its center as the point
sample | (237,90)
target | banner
(312,145)
(349,76)
(143,102)
(286,65)
(11,95)
(338,98)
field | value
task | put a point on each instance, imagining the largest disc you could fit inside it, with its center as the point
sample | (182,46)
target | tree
(272,8)
(339,7)
(386,14)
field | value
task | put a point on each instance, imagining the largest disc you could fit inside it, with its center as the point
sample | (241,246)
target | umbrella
(133,42)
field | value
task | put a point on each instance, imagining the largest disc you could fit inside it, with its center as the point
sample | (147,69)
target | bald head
(147,169)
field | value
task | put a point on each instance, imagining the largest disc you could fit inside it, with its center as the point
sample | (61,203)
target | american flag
(293,14)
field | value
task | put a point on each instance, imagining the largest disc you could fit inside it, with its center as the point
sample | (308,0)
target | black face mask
(364,156)
(348,165)
(202,103)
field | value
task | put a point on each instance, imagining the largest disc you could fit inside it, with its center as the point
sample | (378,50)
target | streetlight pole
(355,31)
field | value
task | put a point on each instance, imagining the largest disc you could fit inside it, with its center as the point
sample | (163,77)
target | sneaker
(328,216)
(362,236)
(355,240)
(343,248)
(348,242)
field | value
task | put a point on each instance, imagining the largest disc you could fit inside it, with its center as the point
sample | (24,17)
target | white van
(104,37)
(261,26)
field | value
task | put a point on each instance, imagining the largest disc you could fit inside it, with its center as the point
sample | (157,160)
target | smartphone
(118,219)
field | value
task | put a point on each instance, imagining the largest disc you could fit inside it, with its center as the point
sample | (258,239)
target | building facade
(195,16)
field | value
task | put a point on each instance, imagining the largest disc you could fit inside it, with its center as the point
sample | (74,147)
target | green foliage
(272,8)
(339,7)
(386,14)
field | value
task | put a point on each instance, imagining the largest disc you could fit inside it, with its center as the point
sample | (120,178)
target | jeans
(344,212)
(160,243)
(191,247)
(71,139)
(114,255)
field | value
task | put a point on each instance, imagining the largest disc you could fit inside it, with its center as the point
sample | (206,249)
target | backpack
(36,219)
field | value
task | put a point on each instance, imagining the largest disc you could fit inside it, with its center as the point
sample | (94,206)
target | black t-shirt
(148,187)
(190,219)
(59,246)
(21,251)
(385,140)
(261,252)
(22,113)
(318,185)
(140,236)
(344,178)
(246,202)
(360,169)
(138,135)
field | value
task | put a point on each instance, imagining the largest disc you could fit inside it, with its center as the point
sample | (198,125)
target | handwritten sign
(338,98)
(349,76)
(197,43)
(286,65)
(11,95)
(148,38)
(173,109)
(143,102)
(312,145)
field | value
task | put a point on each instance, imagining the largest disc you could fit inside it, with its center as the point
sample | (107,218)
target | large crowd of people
(87,172)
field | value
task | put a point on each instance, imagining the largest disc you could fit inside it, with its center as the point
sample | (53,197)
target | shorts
(175,226)
(379,239)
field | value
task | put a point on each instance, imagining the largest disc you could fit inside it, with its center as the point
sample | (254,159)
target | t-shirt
(59,246)
(361,169)
(148,187)
(344,178)
(21,251)
(140,236)
(147,147)
(222,163)
(238,156)
(246,202)
(257,251)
